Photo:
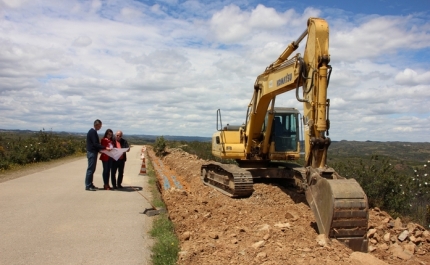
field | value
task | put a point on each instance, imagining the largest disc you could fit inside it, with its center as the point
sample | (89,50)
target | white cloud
(82,41)
(266,18)
(377,35)
(410,77)
(130,14)
(230,24)
(166,68)
(96,5)
(13,3)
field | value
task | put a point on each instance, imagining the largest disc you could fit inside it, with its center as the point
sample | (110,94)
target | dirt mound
(273,226)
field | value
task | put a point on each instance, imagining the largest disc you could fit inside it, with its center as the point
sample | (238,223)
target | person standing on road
(119,165)
(107,161)
(93,147)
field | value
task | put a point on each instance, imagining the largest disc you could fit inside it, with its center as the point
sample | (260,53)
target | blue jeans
(92,163)
(107,167)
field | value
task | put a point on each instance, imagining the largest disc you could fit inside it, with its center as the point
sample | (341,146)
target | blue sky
(165,67)
(368,7)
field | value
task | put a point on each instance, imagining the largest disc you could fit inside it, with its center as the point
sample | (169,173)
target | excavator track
(228,179)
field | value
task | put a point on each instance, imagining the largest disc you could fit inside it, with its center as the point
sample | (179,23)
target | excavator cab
(284,136)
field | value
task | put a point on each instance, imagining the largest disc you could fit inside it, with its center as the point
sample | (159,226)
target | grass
(166,247)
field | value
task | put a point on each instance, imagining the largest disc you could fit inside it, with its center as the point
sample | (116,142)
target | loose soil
(273,226)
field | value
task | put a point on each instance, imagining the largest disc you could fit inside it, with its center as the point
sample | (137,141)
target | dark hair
(108,131)
(97,122)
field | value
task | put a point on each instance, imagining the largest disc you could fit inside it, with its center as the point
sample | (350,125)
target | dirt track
(273,226)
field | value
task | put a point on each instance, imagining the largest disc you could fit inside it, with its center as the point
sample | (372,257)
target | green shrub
(160,146)
(390,189)
(384,187)
(31,147)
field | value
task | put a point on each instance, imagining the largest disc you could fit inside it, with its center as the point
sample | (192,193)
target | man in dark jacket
(119,165)
(93,147)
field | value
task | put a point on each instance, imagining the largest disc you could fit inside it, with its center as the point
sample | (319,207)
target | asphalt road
(49,218)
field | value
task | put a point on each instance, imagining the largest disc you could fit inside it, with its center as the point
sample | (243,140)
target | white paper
(115,153)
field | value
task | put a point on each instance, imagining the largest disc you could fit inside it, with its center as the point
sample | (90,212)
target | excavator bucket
(341,210)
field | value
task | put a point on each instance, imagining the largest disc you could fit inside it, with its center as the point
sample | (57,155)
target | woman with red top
(107,161)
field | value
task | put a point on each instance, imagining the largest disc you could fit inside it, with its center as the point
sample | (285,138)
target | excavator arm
(310,72)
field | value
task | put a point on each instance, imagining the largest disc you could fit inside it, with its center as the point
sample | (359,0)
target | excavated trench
(272,226)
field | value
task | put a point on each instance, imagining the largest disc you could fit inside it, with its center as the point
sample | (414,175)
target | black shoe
(114,187)
(91,189)
(94,187)
(120,187)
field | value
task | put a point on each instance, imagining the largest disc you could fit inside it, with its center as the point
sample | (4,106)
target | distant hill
(172,137)
(150,138)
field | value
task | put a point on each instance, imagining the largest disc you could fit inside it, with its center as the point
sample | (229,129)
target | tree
(160,146)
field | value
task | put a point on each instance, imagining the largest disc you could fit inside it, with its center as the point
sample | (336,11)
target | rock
(383,246)
(403,235)
(415,240)
(418,233)
(262,255)
(371,248)
(371,232)
(291,216)
(387,237)
(398,224)
(386,220)
(426,233)
(186,235)
(390,224)
(411,227)
(233,241)
(410,247)
(420,227)
(258,244)
(322,240)
(285,225)
(213,235)
(279,244)
(377,237)
(398,252)
(182,254)
(402,254)
(266,236)
(359,258)
(264,227)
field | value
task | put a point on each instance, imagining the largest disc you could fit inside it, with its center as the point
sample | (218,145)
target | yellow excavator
(267,144)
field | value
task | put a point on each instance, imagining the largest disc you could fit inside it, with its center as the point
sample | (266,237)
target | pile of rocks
(388,236)
(272,226)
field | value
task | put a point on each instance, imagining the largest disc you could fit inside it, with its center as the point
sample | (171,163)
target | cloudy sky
(165,67)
